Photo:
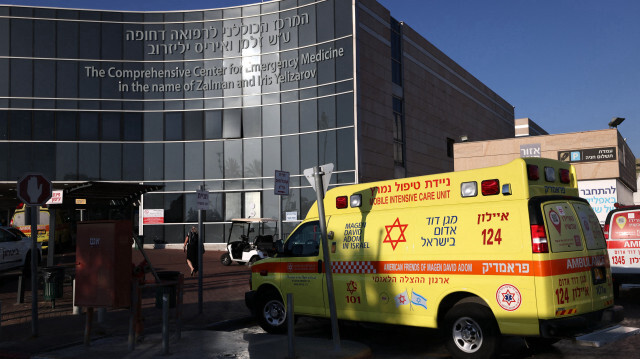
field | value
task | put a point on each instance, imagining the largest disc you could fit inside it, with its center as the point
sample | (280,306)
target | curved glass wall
(217,98)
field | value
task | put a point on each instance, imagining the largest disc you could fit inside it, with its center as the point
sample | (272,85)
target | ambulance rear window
(625,225)
(590,226)
(563,228)
(18,219)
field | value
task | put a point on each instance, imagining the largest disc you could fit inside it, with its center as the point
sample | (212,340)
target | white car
(15,249)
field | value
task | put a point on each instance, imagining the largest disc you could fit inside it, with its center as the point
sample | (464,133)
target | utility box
(103,264)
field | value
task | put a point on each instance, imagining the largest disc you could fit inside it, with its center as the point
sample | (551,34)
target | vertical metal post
(200,264)
(165,320)
(133,313)
(21,285)
(279,217)
(318,174)
(51,251)
(291,326)
(101,313)
(87,326)
(179,301)
(76,309)
(34,272)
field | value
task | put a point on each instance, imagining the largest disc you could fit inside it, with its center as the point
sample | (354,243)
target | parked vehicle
(249,241)
(622,231)
(22,222)
(15,250)
(506,250)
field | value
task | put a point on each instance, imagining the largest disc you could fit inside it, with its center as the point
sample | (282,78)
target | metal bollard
(290,326)
(179,302)
(76,310)
(133,315)
(165,320)
(101,314)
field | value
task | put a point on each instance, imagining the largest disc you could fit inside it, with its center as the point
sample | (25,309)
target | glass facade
(216,98)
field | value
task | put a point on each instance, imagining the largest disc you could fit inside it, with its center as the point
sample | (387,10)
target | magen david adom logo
(508,297)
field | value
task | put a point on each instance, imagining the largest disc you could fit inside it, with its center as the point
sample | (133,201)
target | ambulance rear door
(578,276)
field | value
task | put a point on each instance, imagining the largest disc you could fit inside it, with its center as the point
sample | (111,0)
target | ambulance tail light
(342,202)
(539,242)
(532,173)
(606,231)
(565,175)
(490,187)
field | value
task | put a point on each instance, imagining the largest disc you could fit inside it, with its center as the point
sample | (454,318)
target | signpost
(202,204)
(319,177)
(34,190)
(280,188)
(56,198)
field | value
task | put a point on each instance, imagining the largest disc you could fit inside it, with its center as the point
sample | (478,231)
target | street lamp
(615,122)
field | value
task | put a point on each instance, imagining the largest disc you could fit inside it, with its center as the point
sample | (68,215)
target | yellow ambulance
(506,250)
(20,221)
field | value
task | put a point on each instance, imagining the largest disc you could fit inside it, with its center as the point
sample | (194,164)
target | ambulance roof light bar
(565,175)
(490,187)
(532,173)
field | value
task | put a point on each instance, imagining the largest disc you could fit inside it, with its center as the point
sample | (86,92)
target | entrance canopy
(99,193)
(107,193)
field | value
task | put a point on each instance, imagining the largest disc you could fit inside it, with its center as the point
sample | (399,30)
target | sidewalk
(61,333)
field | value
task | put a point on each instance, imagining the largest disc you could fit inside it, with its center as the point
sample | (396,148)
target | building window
(450,142)
(396,52)
(398,131)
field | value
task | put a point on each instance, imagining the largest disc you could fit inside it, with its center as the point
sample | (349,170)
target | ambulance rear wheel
(272,314)
(471,331)
(225,259)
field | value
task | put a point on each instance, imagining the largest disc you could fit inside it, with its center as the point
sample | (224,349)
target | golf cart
(248,241)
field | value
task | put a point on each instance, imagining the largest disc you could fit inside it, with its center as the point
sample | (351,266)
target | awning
(108,192)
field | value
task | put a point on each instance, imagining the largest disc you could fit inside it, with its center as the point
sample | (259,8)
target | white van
(622,232)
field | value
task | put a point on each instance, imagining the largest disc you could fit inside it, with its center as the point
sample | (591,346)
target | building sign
(202,200)
(530,150)
(291,216)
(601,194)
(588,155)
(56,197)
(281,187)
(152,216)
(239,43)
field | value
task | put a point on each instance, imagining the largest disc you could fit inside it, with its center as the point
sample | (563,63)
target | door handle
(319,265)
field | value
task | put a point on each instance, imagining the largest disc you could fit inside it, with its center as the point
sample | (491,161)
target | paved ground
(223,299)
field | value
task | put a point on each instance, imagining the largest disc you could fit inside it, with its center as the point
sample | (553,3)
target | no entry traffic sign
(34,189)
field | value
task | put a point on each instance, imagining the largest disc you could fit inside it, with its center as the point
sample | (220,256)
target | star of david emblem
(351,287)
(402,299)
(508,297)
(401,238)
(290,267)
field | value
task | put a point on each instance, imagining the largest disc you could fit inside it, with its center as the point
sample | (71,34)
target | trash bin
(167,276)
(53,282)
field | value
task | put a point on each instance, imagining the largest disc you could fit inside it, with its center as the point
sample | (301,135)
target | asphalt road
(387,341)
